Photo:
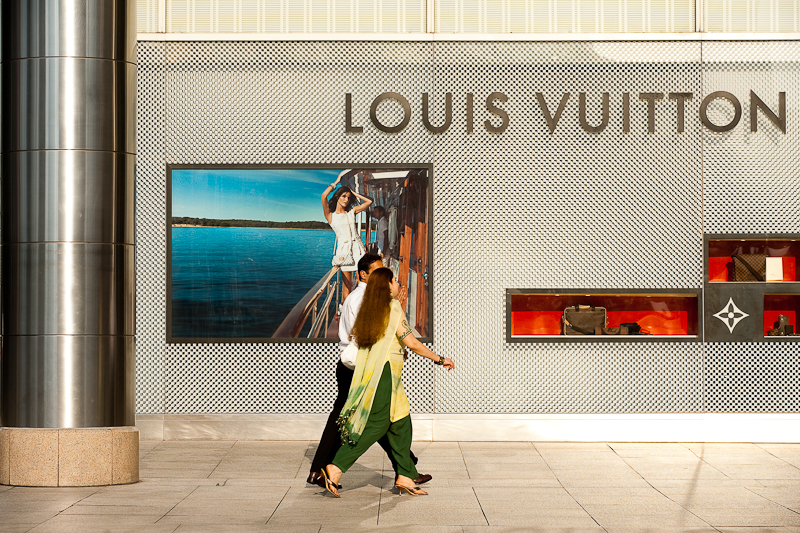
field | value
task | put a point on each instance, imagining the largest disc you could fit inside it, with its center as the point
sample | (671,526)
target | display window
(780,315)
(753,260)
(596,315)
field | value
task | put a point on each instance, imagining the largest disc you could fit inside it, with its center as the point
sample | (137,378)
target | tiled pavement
(478,487)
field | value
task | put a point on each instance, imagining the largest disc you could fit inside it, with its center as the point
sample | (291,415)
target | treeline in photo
(236,223)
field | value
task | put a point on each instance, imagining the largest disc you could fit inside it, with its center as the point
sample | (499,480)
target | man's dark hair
(366,261)
(379,208)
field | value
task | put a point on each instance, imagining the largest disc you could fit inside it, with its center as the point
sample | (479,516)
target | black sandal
(330,486)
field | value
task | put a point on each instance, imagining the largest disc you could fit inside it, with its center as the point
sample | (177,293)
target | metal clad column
(68,152)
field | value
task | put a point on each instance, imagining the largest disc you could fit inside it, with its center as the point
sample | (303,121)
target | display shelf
(776,305)
(720,252)
(536,314)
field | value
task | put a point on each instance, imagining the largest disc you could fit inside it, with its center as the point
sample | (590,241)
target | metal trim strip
(459,37)
(656,427)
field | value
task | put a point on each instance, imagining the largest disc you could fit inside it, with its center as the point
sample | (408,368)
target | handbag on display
(782,328)
(749,267)
(633,328)
(626,328)
(583,320)
(343,259)
(349,355)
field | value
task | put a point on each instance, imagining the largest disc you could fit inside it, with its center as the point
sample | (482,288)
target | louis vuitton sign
(552,108)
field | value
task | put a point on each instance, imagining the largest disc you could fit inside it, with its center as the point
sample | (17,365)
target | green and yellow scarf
(367,375)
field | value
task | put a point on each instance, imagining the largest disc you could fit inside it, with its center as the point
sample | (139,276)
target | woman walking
(377,404)
(341,215)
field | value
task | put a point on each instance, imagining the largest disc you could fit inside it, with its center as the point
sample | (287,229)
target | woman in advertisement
(340,212)
(377,404)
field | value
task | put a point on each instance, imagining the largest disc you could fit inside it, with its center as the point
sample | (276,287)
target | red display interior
(719,269)
(720,262)
(540,314)
(780,304)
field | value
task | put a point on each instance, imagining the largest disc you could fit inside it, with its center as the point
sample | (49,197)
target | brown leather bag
(583,320)
(749,267)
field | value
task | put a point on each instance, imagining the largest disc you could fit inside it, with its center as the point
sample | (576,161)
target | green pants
(399,433)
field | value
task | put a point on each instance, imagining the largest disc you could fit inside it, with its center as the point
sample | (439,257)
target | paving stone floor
(477,487)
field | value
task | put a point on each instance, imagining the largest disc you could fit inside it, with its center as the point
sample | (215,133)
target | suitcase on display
(583,320)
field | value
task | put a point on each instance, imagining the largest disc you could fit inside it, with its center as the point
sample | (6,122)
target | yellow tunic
(367,374)
(400,406)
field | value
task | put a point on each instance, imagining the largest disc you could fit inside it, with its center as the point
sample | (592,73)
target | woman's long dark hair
(335,199)
(373,317)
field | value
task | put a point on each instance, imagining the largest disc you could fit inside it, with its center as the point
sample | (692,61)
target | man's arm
(385,250)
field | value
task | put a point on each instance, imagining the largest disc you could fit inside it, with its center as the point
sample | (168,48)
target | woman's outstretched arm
(367,201)
(325,194)
(406,336)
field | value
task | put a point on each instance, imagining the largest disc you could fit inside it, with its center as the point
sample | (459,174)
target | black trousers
(329,442)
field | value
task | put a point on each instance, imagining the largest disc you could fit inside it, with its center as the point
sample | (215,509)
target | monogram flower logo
(731,315)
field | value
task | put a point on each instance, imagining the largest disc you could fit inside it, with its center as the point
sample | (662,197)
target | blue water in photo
(242,282)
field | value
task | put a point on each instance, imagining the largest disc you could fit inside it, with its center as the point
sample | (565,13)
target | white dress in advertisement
(347,239)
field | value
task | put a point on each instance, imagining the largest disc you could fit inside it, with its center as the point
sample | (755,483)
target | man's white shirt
(348,315)
(383,227)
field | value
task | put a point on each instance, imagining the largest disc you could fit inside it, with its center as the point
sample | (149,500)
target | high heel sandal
(414,491)
(330,486)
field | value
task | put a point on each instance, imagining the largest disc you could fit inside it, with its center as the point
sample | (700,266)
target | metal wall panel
(566,16)
(752,185)
(284,102)
(148,16)
(567,209)
(47,205)
(151,257)
(295,16)
(521,209)
(95,372)
(752,378)
(268,378)
(217,112)
(751,178)
(761,16)
(44,304)
(38,83)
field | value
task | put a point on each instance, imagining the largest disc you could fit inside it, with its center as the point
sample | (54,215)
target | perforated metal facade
(752,379)
(751,179)
(523,208)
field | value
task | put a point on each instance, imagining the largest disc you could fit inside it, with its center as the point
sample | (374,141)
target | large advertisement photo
(252,257)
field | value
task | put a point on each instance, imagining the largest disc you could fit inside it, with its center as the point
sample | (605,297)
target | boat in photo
(404,195)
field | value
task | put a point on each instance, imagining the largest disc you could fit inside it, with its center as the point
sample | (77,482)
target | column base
(81,457)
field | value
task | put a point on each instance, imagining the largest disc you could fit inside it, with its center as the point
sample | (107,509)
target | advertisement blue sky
(276,195)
